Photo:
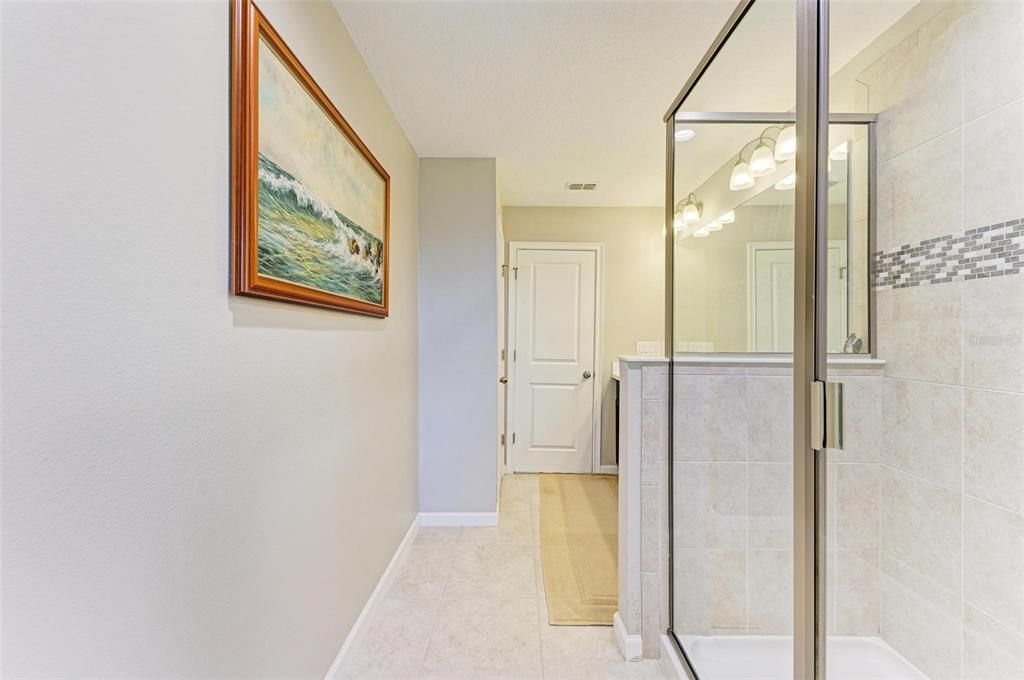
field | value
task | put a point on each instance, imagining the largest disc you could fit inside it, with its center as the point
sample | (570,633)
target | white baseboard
(609,470)
(459,519)
(386,579)
(670,661)
(630,646)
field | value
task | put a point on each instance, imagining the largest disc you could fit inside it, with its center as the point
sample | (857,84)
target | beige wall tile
(711,505)
(771,592)
(650,622)
(992,57)
(919,332)
(711,592)
(857,505)
(654,382)
(994,562)
(994,447)
(923,423)
(921,527)
(653,439)
(993,186)
(769,423)
(707,410)
(856,601)
(863,423)
(650,530)
(920,192)
(920,620)
(771,505)
(991,650)
(993,333)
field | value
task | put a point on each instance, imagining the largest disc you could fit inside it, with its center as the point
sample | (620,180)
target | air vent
(581,186)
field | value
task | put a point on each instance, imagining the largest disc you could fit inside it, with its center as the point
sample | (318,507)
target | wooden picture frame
(354,246)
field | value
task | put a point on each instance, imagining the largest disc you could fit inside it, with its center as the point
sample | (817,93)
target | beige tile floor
(469,603)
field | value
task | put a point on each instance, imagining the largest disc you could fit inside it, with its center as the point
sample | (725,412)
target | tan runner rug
(579,531)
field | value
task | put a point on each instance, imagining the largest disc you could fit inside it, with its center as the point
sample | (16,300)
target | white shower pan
(764,657)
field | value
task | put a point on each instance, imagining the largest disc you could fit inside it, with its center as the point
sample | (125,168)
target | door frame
(510,329)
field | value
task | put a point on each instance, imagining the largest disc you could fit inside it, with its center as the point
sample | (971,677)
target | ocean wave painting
(305,241)
(321,213)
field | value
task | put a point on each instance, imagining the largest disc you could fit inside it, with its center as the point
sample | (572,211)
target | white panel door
(556,293)
(772,298)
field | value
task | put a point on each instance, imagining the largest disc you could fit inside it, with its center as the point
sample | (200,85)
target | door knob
(503,380)
(586,375)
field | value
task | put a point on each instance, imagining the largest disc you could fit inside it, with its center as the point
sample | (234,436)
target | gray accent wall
(458,335)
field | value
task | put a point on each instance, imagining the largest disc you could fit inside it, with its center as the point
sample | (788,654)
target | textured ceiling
(568,91)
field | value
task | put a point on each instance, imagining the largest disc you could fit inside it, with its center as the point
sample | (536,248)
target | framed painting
(310,203)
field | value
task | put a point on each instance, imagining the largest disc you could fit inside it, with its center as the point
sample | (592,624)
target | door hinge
(504,270)
(513,438)
(502,355)
(826,415)
(515,354)
(503,440)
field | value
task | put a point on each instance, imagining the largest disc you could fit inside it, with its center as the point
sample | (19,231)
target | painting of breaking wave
(321,220)
(305,241)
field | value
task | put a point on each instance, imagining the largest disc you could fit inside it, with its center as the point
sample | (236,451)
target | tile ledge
(751,359)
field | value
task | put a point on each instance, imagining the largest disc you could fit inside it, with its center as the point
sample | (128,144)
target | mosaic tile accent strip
(984,252)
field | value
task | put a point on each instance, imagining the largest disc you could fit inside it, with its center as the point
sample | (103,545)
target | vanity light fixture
(701,233)
(714,225)
(727,218)
(762,161)
(786,184)
(785,145)
(740,178)
(692,210)
(685,134)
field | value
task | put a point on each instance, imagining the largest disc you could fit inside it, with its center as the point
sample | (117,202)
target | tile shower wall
(732,461)
(950,297)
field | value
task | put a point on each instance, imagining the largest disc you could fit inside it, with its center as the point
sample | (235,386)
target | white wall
(193,484)
(634,274)
(458,335)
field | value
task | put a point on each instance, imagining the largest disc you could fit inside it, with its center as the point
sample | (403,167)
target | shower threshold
(770,657)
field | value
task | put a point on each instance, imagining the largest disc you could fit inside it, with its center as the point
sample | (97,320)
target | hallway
(469,603)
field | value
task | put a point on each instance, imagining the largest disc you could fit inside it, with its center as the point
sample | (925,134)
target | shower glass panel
(926,535)
(731,240)
(922,509)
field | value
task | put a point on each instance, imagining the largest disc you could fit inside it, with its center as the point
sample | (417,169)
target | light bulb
(714,225)
(690,213)
(839,153)
(685,134)
(677,221)
(740,178)
(785,145)
(788,183)
(701,233)
(762,161)
(727,218)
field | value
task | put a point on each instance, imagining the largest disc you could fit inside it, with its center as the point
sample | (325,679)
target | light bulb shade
(740,178)
(714,225)
(840,152)
(786,184)
(677,220)
(785,145)
(691,213)
(685,134)
(727,218)
(701,233)
(762,161)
